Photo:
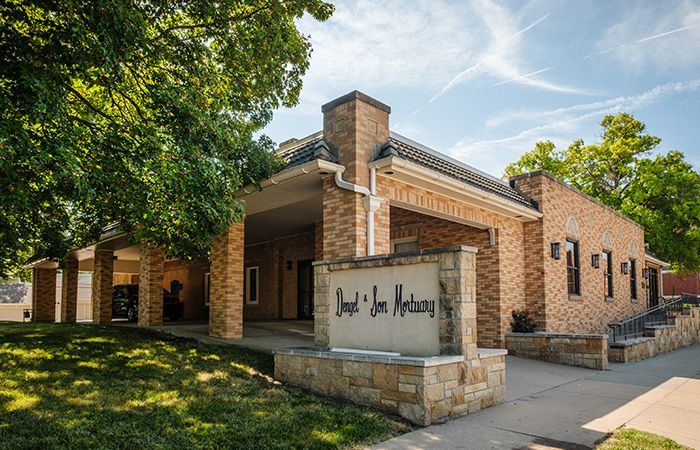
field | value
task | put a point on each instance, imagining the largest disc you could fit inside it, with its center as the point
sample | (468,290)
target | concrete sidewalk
(554,406)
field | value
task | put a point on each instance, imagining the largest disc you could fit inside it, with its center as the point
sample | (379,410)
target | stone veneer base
(422,390)
(659,339)
(581,350)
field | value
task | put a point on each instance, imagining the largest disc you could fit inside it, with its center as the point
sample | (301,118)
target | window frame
(404,240)
(633,279)
(247,284)
(207,288)
(575,268)
(608,274)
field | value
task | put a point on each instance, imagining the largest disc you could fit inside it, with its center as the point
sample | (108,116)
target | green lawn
(631,439)
(81,386)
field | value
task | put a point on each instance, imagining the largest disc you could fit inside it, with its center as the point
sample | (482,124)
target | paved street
(554,406)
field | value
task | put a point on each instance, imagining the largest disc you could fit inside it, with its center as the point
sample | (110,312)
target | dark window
(251,285)
(573,269)
(608,273)
(633,279)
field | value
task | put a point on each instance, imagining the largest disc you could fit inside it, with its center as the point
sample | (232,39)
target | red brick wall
(676,284)
(570,214)
(278,284)
(226,291)
(102,279)
(344,222)
(498,273)
(356,129)
(192,295)
(44,295)
(151,260)
(69,291)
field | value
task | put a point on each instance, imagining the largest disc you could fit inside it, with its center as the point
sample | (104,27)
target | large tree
(141,113)
(661,192)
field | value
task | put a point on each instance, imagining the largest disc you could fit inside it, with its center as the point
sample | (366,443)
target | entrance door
(305,289)
(653,284)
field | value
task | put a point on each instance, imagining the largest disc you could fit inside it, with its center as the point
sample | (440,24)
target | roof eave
(315,165)
(655,260)
(463,191)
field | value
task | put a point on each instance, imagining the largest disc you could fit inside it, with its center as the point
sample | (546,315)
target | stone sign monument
(418,311)
(392,308)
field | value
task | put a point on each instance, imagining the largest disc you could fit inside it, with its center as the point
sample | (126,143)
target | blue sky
(483,80)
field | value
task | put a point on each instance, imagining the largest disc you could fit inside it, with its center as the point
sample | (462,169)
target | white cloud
(665,38)
(504,58)
(617,104)
(561,125)
(374,45)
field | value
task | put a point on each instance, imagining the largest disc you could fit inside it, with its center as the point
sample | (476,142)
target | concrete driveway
(554,406)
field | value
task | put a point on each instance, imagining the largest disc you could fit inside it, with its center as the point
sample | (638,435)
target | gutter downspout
(370,201)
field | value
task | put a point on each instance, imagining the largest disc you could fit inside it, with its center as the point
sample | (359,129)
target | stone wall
(659,339)
(582,350)
(422,390)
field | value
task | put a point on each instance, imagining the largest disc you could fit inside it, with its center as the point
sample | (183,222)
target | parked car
(125,303)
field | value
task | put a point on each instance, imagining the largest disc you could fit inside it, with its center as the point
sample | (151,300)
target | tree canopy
(661,192)
(141,113)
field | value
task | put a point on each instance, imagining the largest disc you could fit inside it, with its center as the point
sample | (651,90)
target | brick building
(677,283)
(355,189)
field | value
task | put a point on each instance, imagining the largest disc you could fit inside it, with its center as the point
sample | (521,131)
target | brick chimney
(356,125)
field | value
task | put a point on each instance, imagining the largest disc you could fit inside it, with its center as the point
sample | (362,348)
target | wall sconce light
(556,250)
(289,265)
(595,260)
(624,267)
(645,272)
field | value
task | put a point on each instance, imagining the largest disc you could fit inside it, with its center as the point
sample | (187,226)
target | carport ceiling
(284,221)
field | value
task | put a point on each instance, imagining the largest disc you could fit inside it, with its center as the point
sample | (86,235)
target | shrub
(522,322)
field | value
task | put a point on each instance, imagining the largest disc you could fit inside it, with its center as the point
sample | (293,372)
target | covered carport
(115,260)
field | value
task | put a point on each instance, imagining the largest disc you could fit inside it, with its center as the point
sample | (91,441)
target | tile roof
(312,147)
(431,159)
(304,150)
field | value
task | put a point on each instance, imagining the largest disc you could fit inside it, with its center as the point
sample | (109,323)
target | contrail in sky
(483,60)
(523,76)
(639,41)
(656,36)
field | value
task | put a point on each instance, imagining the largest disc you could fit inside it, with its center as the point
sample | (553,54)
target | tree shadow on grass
(64,386)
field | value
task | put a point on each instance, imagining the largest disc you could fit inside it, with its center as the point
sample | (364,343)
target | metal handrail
(637,323)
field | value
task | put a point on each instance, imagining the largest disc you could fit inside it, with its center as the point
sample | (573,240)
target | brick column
(69,291)
(151,262)
(355,126)
(227,279)
(344,222)
(44,295)
(102,286)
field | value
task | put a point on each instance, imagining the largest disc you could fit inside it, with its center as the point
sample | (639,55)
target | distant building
(676,284)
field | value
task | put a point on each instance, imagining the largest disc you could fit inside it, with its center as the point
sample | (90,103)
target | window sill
(634,300)
(575,297)
(609,299)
